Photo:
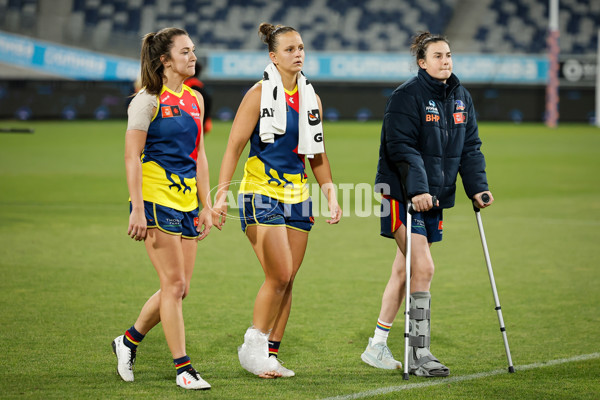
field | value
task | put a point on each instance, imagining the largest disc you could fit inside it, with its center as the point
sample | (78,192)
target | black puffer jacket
(431,127)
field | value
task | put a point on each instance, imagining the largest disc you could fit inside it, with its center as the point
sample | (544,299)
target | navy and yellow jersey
(276,169)
(169,156)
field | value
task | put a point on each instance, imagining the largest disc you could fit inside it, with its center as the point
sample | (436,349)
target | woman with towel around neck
(280,116)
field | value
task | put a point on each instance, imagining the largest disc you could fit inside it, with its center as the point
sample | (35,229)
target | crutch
(403,169)
(486,198)
(409,212)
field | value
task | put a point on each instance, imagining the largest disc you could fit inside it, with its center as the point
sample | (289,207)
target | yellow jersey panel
(263,179)
(167,189)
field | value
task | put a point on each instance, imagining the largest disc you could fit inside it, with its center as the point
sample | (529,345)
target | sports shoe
(380,356)
(125,359)
(190,379)
(285,373)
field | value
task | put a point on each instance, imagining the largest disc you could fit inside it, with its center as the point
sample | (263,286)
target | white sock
(382,330)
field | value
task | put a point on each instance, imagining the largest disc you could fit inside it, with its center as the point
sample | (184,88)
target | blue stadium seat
(534,15)
(78,5)
(134,18)
(329,25)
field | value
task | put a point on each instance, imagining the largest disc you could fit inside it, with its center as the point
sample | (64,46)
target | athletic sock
(382,330)
(274,348)
(182,364)
(132,338)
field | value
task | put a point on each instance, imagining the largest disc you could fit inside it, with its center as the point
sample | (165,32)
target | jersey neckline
(166,89)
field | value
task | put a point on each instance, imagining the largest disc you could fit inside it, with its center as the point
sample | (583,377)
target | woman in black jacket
(429,135)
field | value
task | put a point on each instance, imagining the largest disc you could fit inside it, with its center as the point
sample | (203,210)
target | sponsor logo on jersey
(432,108)
(170,111)
(460,118)
(460,106)
(432,118)
(440,225)
(166,112)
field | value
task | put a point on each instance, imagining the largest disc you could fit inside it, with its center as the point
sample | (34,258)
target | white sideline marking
(444,381)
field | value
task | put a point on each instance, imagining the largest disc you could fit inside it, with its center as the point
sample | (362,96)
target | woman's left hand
(479,202)
(205,222)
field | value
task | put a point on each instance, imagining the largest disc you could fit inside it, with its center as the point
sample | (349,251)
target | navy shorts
(393,215)
(170,220)
(256,209)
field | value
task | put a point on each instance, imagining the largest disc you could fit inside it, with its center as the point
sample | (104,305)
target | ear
(273,57)
(164,61)
(422,63)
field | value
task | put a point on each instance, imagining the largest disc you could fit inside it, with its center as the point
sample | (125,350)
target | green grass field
(71,279)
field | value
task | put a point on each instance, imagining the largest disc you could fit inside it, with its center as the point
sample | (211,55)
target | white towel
(273,113)
(310,127)
(272,105)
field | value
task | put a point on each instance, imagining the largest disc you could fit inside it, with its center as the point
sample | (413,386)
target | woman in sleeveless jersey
(167,177)
(275,208)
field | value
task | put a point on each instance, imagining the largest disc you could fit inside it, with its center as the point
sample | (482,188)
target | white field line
(444,381)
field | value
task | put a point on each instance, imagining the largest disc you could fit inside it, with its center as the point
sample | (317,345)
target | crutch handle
(485,198)
(411,209)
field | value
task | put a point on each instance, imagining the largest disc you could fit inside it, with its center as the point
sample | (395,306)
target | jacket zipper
(445,144)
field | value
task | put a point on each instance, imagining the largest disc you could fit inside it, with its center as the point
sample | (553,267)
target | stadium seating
(332,25)
(521,26)
(18,15)
(516,26)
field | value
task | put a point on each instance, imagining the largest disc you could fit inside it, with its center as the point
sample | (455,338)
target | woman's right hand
(220,212)
(423,202)
(137,225)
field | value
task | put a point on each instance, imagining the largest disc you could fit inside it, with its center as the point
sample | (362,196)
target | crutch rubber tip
(511,369)
(405,376)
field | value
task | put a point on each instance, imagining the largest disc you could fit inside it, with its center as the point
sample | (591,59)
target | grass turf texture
(71,279)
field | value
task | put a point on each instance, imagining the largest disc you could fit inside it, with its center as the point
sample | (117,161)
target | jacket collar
(436,88)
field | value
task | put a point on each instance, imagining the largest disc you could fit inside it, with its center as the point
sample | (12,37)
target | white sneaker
(380,356)
(125,359)
(285,373)
(190,379)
